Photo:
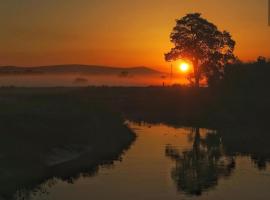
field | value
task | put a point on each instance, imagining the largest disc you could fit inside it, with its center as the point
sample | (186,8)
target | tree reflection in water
(199,169)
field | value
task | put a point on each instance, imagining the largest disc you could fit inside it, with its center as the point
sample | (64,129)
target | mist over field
(84,75)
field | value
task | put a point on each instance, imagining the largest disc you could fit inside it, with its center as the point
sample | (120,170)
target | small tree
(261,60)
(199,41)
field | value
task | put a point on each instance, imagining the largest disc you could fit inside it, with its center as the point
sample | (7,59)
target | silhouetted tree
(200,42)
(261,60)
(124,74)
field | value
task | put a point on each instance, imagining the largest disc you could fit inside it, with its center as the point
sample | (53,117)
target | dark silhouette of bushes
(247,77)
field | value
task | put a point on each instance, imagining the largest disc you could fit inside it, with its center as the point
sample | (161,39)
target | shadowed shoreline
(48,136)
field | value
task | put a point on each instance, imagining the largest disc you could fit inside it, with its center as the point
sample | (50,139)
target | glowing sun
(184,67)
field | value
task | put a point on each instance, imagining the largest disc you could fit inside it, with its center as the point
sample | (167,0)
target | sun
(184,67)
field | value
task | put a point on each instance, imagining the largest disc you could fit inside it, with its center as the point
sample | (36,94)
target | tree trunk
(196,143)
(196,74)
(197,81)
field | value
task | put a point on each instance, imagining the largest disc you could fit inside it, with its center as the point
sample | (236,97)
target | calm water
(170,163)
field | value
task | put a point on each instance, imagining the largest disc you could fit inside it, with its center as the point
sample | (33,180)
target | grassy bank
(202,107)
(55,133)
(173,105)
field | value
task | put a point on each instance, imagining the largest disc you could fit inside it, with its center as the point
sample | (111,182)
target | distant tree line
(252,76)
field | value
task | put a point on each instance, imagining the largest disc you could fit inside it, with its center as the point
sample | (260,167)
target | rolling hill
(81,69)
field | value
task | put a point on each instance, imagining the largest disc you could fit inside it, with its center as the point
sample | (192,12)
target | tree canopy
(199,41)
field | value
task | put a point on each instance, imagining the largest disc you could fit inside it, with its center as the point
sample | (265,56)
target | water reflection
(248,141)
(200,168)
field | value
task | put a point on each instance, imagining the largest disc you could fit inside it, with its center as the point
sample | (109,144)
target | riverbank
(51,134)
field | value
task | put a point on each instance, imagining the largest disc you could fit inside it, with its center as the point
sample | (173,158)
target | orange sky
(119,32)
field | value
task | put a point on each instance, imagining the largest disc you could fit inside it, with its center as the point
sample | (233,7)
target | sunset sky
(119,32)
